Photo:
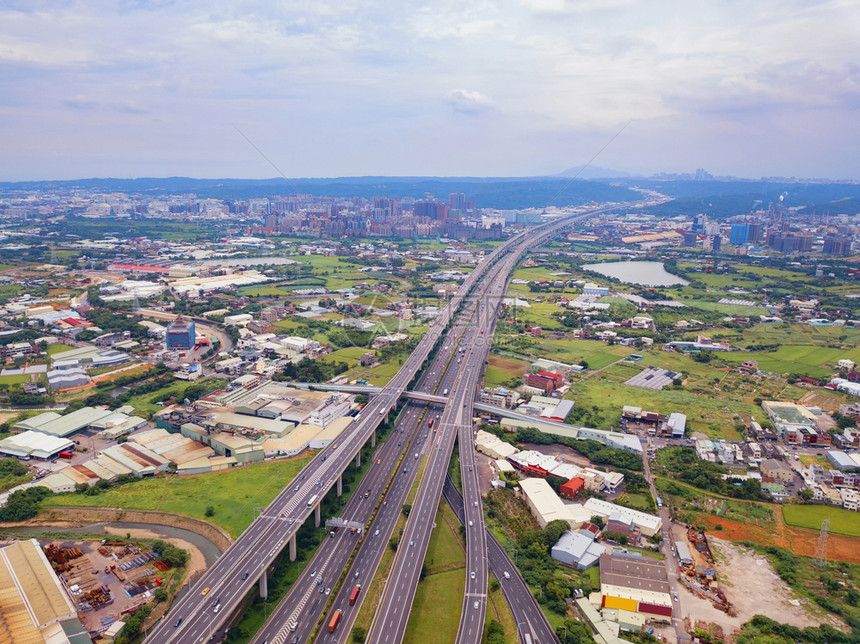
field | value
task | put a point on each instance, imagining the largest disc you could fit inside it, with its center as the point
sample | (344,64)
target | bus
(659,502)
(312,500)
(430,423)
(334,621)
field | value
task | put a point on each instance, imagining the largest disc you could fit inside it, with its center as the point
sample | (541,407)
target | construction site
(696,570)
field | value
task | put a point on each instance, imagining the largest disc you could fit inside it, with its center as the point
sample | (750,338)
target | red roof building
(572,487)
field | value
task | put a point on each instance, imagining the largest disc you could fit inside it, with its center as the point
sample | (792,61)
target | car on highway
(313,573)
(675,597)
(205,590)
(322,590)
(245,576)
(411,543)
(178,622)
(473,574)
(328,591)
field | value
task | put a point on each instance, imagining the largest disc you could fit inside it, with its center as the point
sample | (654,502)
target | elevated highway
(245,563)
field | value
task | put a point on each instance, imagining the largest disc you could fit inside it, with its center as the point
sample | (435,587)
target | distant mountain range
(718,197)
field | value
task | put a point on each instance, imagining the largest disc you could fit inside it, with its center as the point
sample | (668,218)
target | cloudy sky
(442,87)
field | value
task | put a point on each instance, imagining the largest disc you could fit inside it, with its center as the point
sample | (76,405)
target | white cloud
(559,76)
(462,100)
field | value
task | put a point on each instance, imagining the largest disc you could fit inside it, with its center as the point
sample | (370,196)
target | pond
(640,273)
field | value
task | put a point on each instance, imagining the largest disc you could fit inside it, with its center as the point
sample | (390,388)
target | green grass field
(262,291)
(385,370)
(436,611)
(596,353)
(538,273)
(808,360)
(810,516)
(712,416)
(54,349)
(13,380)
(349,355)
(234,494)
(774,272)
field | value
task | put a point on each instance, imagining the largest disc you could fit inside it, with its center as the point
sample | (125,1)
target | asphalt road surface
(524,607)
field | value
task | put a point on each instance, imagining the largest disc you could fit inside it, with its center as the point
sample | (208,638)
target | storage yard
(105,580)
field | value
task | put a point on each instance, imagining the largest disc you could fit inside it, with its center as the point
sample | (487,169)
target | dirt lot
(754,588)
(801,541)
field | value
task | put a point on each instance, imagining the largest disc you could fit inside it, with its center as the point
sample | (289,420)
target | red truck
(334,620)
(430,424)
(354,595)
(68,455)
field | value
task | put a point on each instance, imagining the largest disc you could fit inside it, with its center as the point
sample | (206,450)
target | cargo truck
(334,621)
(354,595)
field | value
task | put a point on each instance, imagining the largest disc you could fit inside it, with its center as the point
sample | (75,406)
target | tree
(806,494)
(359,634)
(210,510)
(160,595)
(553,531)
(846,421)
(23,504)
(407,508)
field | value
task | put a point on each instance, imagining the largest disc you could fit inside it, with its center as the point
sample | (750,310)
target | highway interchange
(194,618)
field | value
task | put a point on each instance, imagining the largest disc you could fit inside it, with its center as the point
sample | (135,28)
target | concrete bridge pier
(293,548)
(317,516)
(264,583)
(358,460)
(373,439)
(340,485)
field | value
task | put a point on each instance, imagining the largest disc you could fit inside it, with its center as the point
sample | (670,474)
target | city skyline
(509,89)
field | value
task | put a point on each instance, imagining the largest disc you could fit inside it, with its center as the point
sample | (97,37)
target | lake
(641,273)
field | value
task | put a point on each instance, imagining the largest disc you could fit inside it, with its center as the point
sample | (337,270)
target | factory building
(577,549)
(33,606)
(32,444)
(635,584)
(649,524)
(62,426)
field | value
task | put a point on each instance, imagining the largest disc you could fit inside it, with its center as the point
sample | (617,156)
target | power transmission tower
(135,304)
(54,259)
(821,550)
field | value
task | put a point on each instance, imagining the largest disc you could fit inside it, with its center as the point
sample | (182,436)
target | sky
(327,88)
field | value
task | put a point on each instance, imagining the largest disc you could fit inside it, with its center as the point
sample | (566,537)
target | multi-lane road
(380,495)
(528,615)
(389,625)
(195,618)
